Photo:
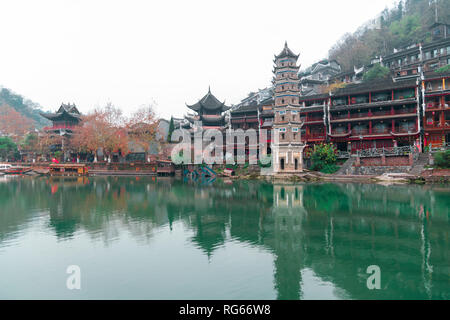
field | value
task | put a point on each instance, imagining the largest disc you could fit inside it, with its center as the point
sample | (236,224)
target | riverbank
(427,176)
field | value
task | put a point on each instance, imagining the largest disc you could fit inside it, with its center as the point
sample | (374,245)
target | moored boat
(4,167)
(17,170)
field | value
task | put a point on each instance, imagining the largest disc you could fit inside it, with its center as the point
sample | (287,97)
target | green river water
(162,238)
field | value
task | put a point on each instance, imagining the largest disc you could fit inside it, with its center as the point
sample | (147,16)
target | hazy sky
(135,52)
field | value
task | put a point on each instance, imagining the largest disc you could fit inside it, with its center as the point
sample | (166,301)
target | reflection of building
(287,146)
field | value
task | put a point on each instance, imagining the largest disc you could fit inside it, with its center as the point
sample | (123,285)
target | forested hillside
(14,106)
(405,24)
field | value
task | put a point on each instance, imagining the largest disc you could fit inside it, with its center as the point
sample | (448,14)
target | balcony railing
(437,125)
(311,119)
(359,115)
(60,126)
(381,113)
(379,131)
(360,132)
(314,136)
(403,111)
(393,151)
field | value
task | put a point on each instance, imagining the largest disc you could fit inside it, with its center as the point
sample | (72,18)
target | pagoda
(210,111)
(64,120)
(287,147)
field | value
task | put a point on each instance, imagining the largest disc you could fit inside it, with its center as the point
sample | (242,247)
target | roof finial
(285,44)
(209,89)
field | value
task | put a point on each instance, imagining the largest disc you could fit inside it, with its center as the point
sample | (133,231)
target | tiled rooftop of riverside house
(375,85)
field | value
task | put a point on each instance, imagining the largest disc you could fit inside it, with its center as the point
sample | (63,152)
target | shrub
(442,159)
(323,157)
(376,72)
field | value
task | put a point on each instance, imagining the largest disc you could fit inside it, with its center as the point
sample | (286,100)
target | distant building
(318,75)
(405,63)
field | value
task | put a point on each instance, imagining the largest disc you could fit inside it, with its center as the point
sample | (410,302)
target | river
(163,238)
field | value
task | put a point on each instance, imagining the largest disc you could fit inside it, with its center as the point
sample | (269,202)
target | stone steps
(419,164)
(345,169)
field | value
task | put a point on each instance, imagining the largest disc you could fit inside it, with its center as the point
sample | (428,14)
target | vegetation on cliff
(407,23)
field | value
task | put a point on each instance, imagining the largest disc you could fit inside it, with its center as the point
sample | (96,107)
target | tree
(8,149)
(12,122)
(104,128)
(25,107)
(142,127)
(46,141)
(407,23)
(376,72)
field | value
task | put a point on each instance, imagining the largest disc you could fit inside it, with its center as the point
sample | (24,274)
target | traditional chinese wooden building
(210,111)
(436,109)
(313,110)
(375,114)
(64,120)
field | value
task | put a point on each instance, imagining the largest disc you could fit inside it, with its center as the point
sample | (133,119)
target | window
(435,53)
(448,50)
(282,136)
(428,55)
(295,135)
(413,58)
(442,51)
(282,118)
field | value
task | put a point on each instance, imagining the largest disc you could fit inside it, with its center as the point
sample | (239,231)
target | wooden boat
(4,167)
(17,170)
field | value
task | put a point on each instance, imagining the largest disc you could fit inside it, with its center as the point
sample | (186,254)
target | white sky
(134,52)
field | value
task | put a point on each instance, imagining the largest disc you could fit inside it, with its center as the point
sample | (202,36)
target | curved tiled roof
(209,102)
(286,52)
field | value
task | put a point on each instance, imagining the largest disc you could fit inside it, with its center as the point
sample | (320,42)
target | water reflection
(323,235)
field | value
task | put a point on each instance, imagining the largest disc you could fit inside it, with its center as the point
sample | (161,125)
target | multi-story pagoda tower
(287,147)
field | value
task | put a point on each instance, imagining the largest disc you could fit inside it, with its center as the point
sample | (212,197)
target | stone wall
(380,165)
(389,161)
(378,170)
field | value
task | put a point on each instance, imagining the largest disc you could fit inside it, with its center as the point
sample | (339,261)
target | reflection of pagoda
(209,110)
(64,120)
(288,213)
